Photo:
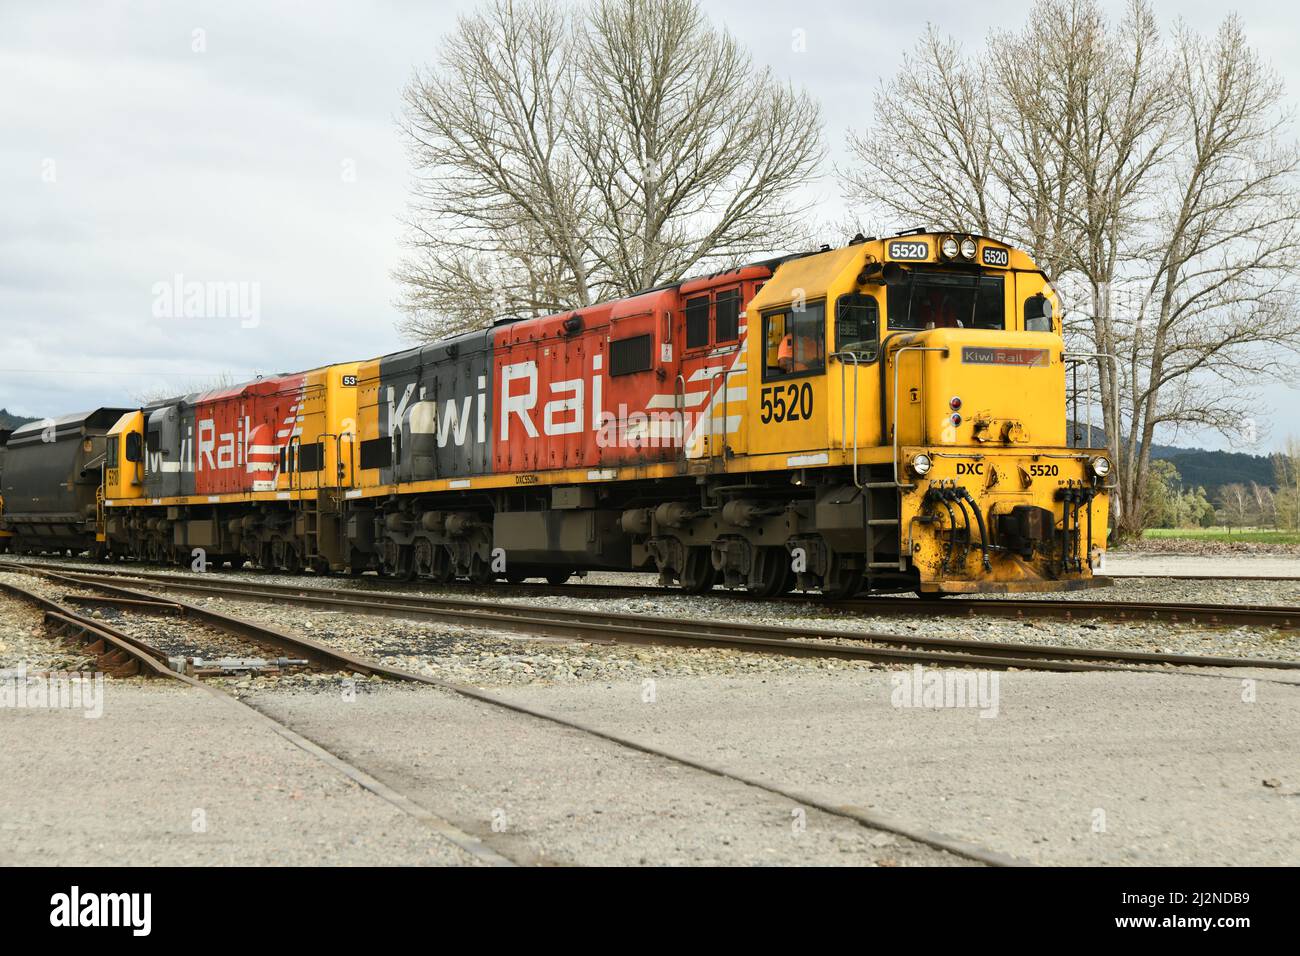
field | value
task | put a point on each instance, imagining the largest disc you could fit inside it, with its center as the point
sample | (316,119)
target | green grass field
(1253,536)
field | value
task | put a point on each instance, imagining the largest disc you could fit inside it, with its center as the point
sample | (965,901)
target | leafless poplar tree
(1236,505)
(1150,175)
(1286,469)
(567,155)
(1265,503)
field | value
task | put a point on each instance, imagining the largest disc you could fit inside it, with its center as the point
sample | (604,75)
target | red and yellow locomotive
(889,415)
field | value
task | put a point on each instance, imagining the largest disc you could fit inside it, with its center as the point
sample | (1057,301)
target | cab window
(947,300)
(857,325)
(1038,314)
(794,341)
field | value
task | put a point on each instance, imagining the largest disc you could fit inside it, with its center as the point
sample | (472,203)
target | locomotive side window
(857,325)
(947,300)
(697,322)
(726,316)
(794,341)
(1038,314)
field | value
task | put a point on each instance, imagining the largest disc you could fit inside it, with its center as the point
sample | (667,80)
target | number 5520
(786,403)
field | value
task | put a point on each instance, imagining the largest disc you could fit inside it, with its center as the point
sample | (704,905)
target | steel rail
(1212,615)
(595,627)
(1280,616)
(603,627)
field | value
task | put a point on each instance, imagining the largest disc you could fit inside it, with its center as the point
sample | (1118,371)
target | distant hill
(8,420)
(1210,470)
(1213,469)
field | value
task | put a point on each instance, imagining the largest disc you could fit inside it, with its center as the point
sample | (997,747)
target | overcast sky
(269,157)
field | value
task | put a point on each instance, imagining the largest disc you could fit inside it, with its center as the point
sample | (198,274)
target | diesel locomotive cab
(973,387)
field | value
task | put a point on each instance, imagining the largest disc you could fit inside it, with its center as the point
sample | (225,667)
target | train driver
(803,359)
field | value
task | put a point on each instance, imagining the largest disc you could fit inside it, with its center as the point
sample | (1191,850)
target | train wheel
(773,572)
(698,576)
(480,570)
(444,571)
(422,557)
(841,582)
(516,577)
(556,578)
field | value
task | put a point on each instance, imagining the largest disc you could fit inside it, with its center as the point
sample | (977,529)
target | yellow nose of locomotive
(993,498)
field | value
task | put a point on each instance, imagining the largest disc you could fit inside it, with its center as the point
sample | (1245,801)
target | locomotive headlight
(920,465)
(1100,466)
(968,248)
(949,248)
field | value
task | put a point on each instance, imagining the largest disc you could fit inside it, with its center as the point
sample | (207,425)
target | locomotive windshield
(947,300)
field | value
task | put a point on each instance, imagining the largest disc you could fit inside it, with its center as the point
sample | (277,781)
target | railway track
(1213,615)
(604,627)
(121,646)
(593,626)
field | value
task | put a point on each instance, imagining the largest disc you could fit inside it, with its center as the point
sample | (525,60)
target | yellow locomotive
(890,415)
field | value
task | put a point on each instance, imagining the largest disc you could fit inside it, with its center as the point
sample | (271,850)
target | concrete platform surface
(172,776)
(1131,768)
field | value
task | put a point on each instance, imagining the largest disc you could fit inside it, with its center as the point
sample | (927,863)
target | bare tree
(193,386)
(1286,468)
(1236,505)
(1265,503)
(1216,314)
(564,156)
(932,154)
(1150,174)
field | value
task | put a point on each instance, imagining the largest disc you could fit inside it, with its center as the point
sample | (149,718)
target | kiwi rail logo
(1026,358)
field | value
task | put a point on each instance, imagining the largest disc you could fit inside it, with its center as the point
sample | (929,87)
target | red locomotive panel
(622,383)
(239,435)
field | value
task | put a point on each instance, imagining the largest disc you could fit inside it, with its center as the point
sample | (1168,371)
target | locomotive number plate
(909,249)
(993,256)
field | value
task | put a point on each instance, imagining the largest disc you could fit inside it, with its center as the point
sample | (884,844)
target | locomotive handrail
(844,357)
(350,437)
(1085,358)
(897,355)
(725,386)
(290,459)
(679,403)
